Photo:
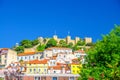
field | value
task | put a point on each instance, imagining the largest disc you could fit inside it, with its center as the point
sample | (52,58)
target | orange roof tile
(58,67)
(75,59)
(4,49)
(38,61)
(61,64)
(25,54)
(81,51)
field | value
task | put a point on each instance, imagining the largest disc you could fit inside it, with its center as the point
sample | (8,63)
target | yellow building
(75,68)
(37,66)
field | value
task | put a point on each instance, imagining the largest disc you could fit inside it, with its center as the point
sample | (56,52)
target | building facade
(7,56)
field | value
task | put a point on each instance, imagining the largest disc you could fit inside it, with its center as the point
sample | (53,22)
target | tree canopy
(41,47)
(103,61)
(51,43)
(62,43)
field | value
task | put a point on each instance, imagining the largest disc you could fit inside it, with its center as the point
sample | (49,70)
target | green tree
(75,47)
(41,47)
(35,42)
(81,43)
(51,43)
(19,49)
(70,45)
(103,61)
(1,78)
(44,40)
(62,43)
(89,44)
(26,43)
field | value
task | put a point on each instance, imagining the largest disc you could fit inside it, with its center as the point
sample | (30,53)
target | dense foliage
(41,47)
(51,43)
(103,61)
(26,44)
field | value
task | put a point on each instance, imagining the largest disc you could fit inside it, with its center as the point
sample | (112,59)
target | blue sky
(28,19)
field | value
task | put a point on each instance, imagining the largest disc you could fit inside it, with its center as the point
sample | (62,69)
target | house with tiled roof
(7,56)
(37,66)
(58,69)
(26,56)
(80,54)
(54,51)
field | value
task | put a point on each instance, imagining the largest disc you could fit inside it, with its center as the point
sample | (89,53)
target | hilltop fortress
(67,39)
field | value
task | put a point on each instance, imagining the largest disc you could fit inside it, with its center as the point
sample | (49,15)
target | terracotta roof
(53,58)
(80,51)
(26,53)
(75,59)
(38,61)
(61,64)
(4,49)
(58,67)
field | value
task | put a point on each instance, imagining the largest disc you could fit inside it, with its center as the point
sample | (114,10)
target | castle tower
(68,39)
(88,40)
(76,39)
(55,37)
(17,45)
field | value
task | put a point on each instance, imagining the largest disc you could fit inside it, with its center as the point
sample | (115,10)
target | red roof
(26,53)
(38,61)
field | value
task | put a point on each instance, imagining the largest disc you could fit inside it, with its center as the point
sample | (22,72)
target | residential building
(26,56)
(75,68)
(79,53)
(53,51)
(7,56)
(37,66)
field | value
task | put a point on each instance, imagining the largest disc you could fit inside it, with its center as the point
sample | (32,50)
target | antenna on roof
(68,33)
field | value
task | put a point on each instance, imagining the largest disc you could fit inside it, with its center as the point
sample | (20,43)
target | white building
(30,56)
(49,52)
(7,56)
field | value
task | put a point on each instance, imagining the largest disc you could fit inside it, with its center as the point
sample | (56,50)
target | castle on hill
(67,39)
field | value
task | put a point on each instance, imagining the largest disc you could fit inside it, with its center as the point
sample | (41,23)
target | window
(44,69)
(34,70)
(46,55)
(33,57)
(54,63)
(5,56)
(5,61)
(21,58)
(54,78)
(72,78)
(30,70)
(25,57)
(36,78)
(39,70)
(29,57)
(54,71)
